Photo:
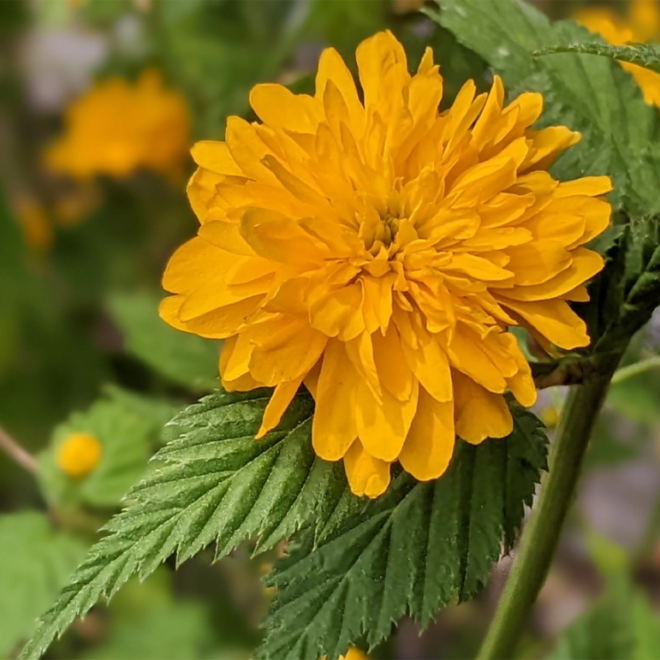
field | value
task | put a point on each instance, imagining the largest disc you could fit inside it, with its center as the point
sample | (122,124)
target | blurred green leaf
(125,438)
(35,563)
(184,359)
(212,482)
(610,558)
(610,445)
(622,625)
(412,552)
(154,411)
(162,631)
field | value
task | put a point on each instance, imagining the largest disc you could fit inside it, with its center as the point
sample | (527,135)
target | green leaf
(125,438)
(626,293)
(591,94)
(184,359)
(644,55)
(154,411)
(412,552)
(35,563)
(212,482)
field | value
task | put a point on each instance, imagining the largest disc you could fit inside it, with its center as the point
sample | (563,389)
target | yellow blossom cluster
(119,127)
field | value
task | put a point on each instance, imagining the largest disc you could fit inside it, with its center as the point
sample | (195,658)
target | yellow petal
(430,443)
(554,319)
(383,427)
(393,370)
(480,414)
(279,402)
(334,427)
(585,264)
(276,237)
(332,68)
(285,350)
(383,68)
(366,475)
(339,313)
(278,107)
(215,156)
(466,354)
(430,365)
(227,236)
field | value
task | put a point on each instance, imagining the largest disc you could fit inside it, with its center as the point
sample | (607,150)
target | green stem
(541,535)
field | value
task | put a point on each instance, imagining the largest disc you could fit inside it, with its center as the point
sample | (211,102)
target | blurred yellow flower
(550,416)
(79,454)
(119,127)
(37,229)
(641,23)
(379,251)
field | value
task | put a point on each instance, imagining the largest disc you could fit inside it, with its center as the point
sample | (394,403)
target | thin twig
(15,451)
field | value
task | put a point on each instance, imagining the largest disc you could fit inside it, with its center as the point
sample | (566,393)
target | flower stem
(15,451)
(541,535)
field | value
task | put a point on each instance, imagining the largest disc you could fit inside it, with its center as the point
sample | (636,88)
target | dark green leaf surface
(412,552)
(212,482)
(628,291)
(590,94)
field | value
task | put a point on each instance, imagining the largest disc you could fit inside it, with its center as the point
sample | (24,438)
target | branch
(17,453)
(541,535)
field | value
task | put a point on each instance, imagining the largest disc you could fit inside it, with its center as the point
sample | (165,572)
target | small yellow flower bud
(79,454)
(550,417)
(353,653)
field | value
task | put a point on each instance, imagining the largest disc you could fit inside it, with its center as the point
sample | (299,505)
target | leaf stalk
(541,535)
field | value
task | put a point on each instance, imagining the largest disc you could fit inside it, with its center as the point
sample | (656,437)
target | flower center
(387,231)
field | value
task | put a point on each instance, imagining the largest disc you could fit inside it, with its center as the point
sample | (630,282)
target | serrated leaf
(591,94)
(125,437)
(184,359)
(35,563)
(644,55)
(412,552)
(625,295)
(212,482)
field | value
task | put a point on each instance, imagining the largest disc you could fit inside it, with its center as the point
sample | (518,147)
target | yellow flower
(79,454)
(119,127)
(641,23)
(378,252)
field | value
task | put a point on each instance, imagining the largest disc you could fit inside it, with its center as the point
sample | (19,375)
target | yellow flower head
(641,23)
(378,251)
(79,454)
(119,127)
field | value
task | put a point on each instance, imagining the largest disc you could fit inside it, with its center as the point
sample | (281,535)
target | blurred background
(100,101)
